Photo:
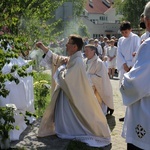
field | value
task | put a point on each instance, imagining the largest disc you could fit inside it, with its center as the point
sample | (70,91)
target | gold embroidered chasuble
(74,83)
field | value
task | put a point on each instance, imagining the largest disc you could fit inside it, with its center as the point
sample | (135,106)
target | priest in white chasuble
(74,112)
(99,79)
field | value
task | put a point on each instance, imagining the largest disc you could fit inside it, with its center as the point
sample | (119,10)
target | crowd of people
(82,92)
(106,50)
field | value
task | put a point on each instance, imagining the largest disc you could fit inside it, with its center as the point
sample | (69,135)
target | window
(117,21)
(96,36)
(95,21)
(103,18)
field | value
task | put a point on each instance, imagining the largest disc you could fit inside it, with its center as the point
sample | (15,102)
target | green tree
(35,19)
(74,23)
(23,21)
(29,18)
(83,30)
(78,6)
(130,9)
(14,34)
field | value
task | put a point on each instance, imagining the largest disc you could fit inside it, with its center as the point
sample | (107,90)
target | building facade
(101,19)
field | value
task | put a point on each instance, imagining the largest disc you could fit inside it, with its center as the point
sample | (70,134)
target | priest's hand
(42,46)
(126,68)
(65,60)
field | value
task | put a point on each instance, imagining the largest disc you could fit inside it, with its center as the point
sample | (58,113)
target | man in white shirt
(135,92)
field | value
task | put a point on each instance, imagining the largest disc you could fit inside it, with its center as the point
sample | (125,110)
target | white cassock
(135,92)
(126,47)
(145,36)
(21,95)
(74,112)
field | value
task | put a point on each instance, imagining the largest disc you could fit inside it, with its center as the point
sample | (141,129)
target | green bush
(42,94)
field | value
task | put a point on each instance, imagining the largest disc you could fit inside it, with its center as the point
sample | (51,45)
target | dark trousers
(132,147)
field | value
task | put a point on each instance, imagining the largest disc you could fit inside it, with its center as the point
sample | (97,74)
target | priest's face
(126,33)
(71,47)
(89,53)
(147,23)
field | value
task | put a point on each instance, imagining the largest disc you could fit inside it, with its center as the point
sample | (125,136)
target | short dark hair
(77,39)
(125,25)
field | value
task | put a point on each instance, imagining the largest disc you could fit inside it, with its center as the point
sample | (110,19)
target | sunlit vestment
(74,112)
(135,92)
(145,36)
(126,47)
(100,81)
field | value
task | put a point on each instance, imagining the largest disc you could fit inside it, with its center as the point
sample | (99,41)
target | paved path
(28,139)
(118,143)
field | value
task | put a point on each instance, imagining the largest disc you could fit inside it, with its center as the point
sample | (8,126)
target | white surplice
(135,92)
(126,47)
(145,36)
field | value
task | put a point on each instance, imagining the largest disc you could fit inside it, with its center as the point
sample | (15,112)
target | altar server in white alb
(128,45)
(135,92)
(74,112)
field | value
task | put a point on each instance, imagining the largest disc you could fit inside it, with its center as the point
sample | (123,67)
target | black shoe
(121,119)
(110,111)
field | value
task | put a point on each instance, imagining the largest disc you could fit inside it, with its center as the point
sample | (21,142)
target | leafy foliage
(29,18)
(23,22)
(42,84)
(83,30)
(130,10)
(7,120)
(78,6)
(7,113)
